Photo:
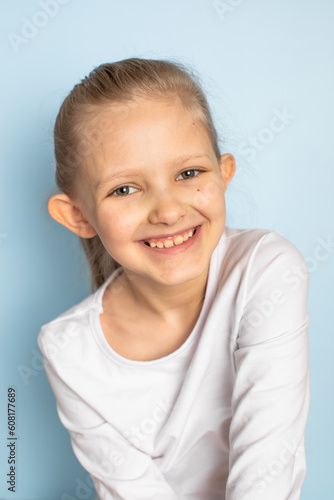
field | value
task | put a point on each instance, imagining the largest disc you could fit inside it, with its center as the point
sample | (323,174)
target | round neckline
(98,333)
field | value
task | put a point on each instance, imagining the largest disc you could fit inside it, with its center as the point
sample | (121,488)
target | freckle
(197,189)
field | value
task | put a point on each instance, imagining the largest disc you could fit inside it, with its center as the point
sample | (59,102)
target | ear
(227,168)
(63,210)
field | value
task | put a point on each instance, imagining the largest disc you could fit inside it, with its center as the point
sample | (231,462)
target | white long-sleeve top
(221,418)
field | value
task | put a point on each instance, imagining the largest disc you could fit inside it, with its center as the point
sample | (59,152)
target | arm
(271,395)
(118,470)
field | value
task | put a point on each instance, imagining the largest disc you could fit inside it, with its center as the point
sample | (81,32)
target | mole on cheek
(197,189)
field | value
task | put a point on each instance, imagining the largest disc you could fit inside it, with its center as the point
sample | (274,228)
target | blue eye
(189,173)
(123,191)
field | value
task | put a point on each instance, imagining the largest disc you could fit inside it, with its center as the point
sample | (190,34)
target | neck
(172,303)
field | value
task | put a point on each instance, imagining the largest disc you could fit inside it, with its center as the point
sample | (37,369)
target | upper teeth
(180,238)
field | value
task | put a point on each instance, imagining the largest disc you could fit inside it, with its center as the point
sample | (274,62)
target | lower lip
(175,248)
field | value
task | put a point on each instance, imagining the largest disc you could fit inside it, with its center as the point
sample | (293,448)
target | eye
(121,191)
(189,173)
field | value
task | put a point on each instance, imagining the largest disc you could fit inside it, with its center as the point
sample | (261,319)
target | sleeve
(118,469)
(271,393)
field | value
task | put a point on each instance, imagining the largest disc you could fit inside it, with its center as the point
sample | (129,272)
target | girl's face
(153,174)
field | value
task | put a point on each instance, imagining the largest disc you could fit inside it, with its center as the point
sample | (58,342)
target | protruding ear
(63,210)
(227,168)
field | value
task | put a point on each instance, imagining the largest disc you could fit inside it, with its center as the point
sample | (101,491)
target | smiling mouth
(168,243)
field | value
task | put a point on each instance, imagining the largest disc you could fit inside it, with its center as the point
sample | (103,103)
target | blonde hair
(119,82)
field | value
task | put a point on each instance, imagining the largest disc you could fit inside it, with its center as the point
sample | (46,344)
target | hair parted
(114,83)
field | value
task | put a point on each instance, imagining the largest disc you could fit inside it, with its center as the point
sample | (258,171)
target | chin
(173,277)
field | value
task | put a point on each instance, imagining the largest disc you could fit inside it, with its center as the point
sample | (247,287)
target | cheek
(115,224)
(210,197)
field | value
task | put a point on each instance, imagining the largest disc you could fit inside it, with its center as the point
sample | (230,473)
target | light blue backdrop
(258,60)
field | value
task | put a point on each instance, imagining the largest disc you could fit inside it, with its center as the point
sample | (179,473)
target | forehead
(142,132)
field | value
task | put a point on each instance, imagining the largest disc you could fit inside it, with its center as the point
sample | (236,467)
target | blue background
(256,59)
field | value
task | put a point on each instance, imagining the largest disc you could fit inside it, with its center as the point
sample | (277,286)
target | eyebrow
(136,172)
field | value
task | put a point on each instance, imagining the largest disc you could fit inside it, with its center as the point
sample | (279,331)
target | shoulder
(260,248)
(273,283)
(59,337)
(262,265)
(249,239)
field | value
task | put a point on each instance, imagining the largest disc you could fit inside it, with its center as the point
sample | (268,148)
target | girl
(185,374)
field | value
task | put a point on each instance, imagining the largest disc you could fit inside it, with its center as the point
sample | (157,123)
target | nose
(166,208)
